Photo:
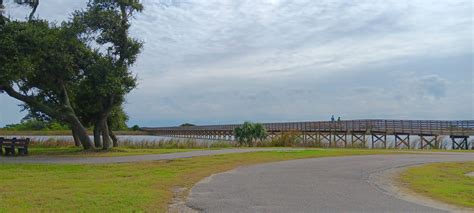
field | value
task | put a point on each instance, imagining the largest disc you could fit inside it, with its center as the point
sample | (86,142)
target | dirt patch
(389,183)
(470,174)
(178,203)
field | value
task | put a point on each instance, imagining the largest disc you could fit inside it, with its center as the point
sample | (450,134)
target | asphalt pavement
(332,184)
(128,159)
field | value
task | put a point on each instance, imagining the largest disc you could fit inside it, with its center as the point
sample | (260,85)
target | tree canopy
(76,72)
(106,23)
(39,63)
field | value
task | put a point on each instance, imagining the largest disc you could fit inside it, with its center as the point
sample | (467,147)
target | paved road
(125,159)
(337,184)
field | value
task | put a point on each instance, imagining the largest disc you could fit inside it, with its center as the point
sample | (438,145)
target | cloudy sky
(227,61)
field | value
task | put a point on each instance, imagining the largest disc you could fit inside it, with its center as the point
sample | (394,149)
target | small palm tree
(249,132)
(260,132)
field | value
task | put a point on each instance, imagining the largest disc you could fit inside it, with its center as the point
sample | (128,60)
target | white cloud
(213,61)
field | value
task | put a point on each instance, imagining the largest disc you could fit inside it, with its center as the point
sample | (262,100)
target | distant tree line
(75,73)
(36,125)
(186,124)
(33,124)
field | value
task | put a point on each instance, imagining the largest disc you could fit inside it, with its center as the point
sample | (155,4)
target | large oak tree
(39,63)
(60,71)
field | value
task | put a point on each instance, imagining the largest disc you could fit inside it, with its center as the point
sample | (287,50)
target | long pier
(346,133)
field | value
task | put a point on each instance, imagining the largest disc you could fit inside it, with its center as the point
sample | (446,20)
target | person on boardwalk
(338,119)
(332,118)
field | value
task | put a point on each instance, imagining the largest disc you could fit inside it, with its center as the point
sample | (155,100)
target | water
(121,138)
(68,138)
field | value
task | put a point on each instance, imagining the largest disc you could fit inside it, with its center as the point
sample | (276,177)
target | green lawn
(126,187)
(122,151)
(79,152)
(442,181)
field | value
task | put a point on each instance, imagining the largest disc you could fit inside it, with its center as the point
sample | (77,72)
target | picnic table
(8,146)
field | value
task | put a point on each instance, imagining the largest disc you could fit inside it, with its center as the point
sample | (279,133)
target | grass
(64,149)
(445,182)
(58,147)
(79,152)
(143,186)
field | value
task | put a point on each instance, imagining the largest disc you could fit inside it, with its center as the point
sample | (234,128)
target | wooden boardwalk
(341,133)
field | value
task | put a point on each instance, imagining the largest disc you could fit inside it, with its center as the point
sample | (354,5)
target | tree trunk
(105,134)
(114,138)
(77,142)
(80,132)
(97,131)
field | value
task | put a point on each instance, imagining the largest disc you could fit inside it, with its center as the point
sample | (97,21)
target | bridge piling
(428,141)
(379,137)
(340,137)
(325,138)
(358,137)
(459,142)
(402,139)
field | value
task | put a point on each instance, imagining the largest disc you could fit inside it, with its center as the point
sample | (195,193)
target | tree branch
(35,6)
(30,100)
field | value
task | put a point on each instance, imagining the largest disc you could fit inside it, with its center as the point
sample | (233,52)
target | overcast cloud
(210,62)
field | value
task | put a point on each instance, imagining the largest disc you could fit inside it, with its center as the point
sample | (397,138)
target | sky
(229,61)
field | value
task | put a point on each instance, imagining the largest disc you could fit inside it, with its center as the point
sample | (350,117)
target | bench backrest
(14,141)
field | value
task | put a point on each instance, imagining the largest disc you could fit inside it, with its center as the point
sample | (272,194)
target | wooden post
(1,145)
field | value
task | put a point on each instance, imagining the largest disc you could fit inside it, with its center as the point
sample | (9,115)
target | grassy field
(144,186)
(79,152)
(446,182)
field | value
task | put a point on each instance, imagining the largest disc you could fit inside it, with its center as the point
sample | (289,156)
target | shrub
(287,139)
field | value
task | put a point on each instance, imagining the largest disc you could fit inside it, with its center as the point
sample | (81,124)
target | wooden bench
(9,145)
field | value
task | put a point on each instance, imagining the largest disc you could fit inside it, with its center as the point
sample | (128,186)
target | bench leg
(22,151)
(9,151)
